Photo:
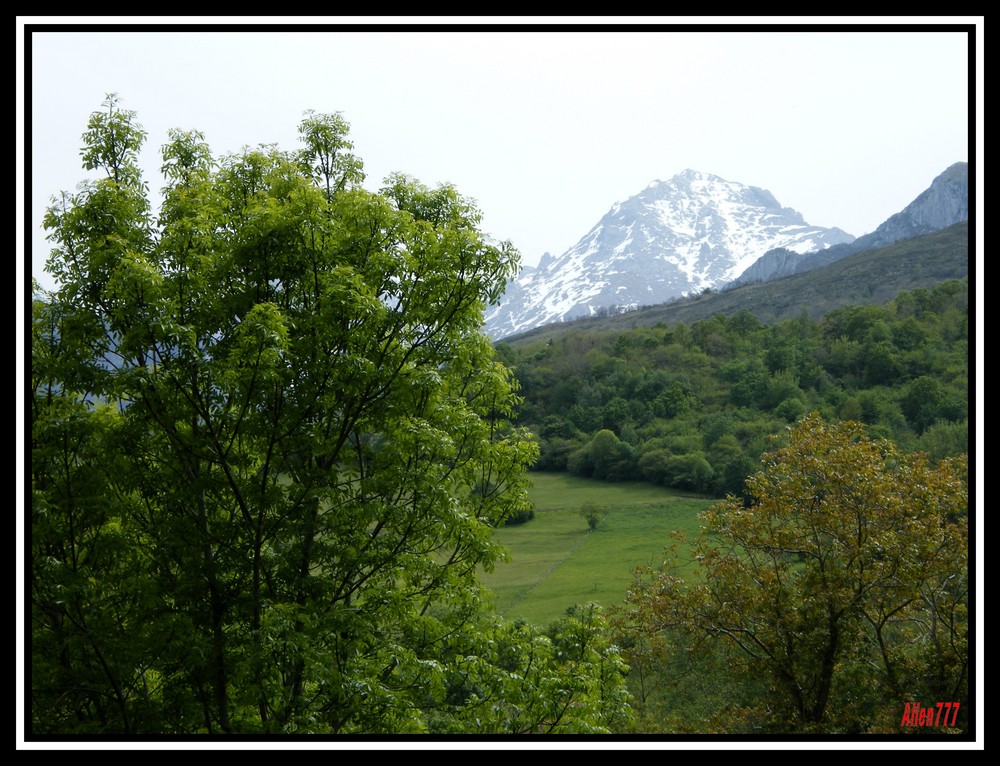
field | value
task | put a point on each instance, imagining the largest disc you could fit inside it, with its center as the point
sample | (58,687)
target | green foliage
(271,448)
(648,403)
(592,513)
(838,591)
(520,517)
(942,440)
(606,457)
(923,402)
(515,679)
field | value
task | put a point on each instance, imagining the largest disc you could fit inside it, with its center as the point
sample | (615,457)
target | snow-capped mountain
(674,238)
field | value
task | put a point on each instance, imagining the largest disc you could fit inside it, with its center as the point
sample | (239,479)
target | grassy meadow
(555,561)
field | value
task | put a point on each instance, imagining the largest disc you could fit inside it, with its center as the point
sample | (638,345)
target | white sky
(546,130)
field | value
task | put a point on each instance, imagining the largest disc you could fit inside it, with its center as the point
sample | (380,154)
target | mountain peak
(683,179)
(696,175)
(674,238)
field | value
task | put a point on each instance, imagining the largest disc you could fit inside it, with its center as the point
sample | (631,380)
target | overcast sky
(546,130)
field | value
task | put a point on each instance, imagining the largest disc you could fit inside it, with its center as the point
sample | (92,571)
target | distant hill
(872,276)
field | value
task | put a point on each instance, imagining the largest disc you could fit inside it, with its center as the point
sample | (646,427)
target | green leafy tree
(840,589)
(943,439)
(270,445)
(516,679)
(730,465)
(593,514)
(920,401)
(609,456)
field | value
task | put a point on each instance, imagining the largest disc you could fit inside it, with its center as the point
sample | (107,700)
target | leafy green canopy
(270,445)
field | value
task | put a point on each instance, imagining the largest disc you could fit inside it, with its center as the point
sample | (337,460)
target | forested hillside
(692,406)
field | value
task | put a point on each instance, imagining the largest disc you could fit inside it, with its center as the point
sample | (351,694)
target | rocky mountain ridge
(944,203)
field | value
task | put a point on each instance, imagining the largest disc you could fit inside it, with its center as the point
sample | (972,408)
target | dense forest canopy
(692,406)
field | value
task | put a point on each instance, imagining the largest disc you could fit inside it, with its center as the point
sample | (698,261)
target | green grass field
(556,562)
